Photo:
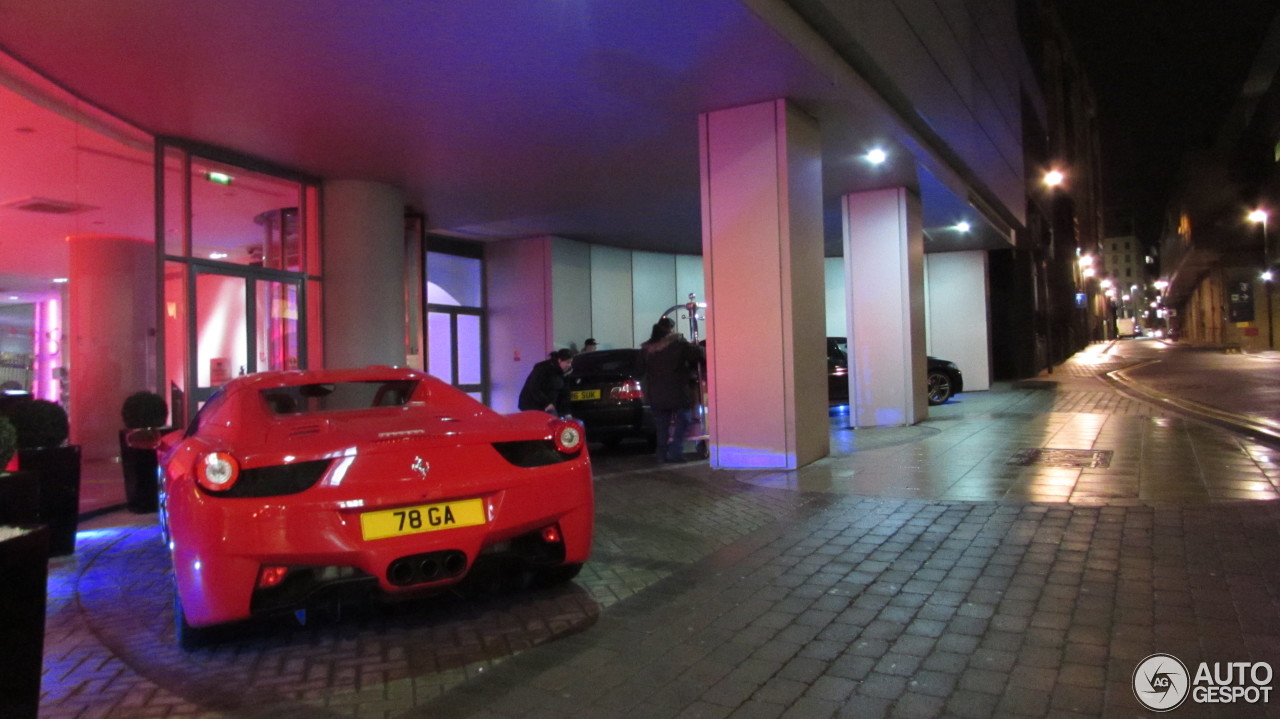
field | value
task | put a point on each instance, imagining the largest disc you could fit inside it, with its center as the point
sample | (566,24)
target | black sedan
(606,395)
(944,378)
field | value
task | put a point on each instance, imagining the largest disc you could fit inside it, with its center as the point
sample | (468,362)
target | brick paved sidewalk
(911,609)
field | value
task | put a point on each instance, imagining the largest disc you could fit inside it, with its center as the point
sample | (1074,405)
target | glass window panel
(244,217)
(221,324)
(277,330)
(175,331)
(453,280)
(469,370)
(315,326)
(440,346)
(175,202)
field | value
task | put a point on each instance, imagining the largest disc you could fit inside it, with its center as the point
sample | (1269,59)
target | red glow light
(270,576)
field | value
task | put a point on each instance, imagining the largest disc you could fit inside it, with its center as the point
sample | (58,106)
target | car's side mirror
(147,438)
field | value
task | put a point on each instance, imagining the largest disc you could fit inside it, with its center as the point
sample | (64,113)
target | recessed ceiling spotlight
(876,156)
(962,226)
(59,280)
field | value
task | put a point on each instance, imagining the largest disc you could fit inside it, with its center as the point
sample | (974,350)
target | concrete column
(520,307)
(884,277)
(956,320)
(111,301)
(762,254)
(364,310)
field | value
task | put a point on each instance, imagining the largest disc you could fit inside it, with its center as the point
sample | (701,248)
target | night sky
(1165,73)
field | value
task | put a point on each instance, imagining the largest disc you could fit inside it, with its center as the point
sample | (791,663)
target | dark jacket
(670,372)
(544,386)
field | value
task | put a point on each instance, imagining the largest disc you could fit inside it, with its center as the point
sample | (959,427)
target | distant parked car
(944,379)
(606,395)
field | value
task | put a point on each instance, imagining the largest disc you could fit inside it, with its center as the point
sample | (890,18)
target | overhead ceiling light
(962,226)
(876,156)
(220,178)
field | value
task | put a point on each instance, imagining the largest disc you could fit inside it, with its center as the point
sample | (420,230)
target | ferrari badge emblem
(420,466)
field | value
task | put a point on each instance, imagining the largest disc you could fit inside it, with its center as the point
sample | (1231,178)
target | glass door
(243,321)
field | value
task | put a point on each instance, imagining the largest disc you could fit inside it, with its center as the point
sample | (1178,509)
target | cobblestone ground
(936,570)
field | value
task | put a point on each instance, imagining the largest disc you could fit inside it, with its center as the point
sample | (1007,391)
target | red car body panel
(438,446)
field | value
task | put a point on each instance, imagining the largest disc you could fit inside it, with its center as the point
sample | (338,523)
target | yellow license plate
(584,394)
(423,518)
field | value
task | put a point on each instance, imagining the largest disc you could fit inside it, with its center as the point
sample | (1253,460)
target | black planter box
(19,498)
(24,565)
(140,477)
(59,470)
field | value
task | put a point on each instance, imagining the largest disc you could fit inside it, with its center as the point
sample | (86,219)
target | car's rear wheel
(189,638)
(939,387)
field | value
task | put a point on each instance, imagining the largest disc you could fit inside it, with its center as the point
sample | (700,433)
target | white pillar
(762,254)
(364,310)
(520,308)
(957,324)
(884,277)
(112,302)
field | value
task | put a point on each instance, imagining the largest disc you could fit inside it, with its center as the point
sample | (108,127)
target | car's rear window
(338,396)
(606,362)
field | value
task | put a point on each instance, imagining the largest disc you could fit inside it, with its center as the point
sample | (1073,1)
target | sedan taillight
(630,389)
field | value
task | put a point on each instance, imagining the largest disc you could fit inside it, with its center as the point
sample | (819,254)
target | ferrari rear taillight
(551,534)
(270,576)
(217,471)
(568,436)
(630,389)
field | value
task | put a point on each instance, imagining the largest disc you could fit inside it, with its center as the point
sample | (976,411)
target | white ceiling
(498,118)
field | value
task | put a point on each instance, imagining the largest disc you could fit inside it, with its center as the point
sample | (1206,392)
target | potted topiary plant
(42,429)
(141,410)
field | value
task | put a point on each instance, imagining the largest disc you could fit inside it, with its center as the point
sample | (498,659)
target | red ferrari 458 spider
(290,489)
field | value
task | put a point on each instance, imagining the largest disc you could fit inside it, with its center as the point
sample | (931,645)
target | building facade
(469,206)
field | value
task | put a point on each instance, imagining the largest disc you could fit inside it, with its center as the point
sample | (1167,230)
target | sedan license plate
(584,394)
(423,518)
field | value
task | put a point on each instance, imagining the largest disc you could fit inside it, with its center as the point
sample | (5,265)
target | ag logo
(1161,682)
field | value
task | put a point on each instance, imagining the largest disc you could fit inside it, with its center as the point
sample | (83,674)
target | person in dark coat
(670,362)
(545,389)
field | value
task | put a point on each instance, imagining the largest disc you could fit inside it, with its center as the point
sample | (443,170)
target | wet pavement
(1018,554)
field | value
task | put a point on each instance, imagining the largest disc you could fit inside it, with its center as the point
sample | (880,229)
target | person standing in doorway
(545,389)
(670,363)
